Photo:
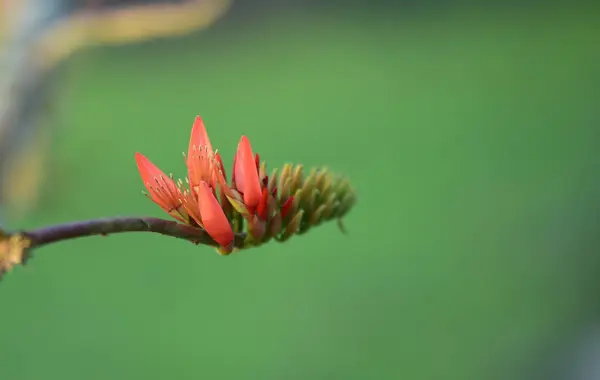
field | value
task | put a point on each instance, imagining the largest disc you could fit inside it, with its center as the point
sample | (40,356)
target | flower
(197,205)
(245,174)
(255,204)
(253,195)
(162,189)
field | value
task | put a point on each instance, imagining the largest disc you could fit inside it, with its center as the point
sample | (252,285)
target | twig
(103,227)
(15,248)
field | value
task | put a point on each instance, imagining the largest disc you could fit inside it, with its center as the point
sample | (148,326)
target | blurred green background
(470,136)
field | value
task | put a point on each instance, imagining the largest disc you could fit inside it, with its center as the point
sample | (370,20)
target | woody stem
(74,230)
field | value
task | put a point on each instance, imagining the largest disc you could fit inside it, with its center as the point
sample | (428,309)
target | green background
(470,138)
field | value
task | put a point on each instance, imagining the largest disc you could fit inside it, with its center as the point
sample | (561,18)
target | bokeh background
(470,134)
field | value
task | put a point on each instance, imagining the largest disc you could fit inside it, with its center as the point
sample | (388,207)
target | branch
(104,227)
(15,247)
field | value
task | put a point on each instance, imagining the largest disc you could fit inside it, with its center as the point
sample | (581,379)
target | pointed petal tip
(198,122)
(199,136)
(145,165)
(245,143)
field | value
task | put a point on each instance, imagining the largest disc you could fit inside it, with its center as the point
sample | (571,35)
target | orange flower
(161,189)
(251,193)
(245,174)
(249,179)
(196,206)
(213,218)
(202,163)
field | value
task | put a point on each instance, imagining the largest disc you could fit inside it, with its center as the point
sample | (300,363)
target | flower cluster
(262,206)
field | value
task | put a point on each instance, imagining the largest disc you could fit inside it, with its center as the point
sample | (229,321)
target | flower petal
(200,155)
(213,218)
(287,206)
(199,136)
(220,165)
(257,229)
(161,188)
(246,174)
(261,208)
